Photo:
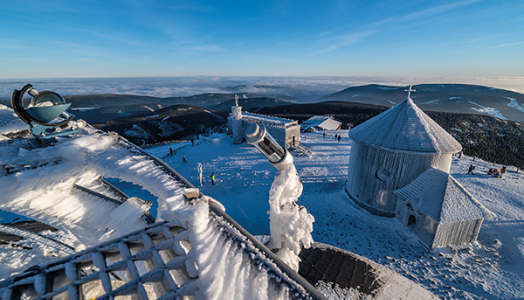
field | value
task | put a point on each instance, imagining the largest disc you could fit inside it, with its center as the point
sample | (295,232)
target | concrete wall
(350,271)
(364,186)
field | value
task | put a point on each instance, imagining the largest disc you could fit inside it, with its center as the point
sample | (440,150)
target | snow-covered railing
(147,217)
(149,263)
(41,239)
(153,263)
(273,121)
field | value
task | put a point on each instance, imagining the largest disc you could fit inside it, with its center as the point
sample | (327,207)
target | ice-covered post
(236,114)
(199,167)
(290,224)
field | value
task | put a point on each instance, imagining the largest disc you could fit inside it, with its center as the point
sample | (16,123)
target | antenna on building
(409,91)
(236,100)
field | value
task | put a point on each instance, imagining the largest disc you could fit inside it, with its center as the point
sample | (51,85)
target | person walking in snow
(170,151)
(184,158)
(339,138)
(212,178)
(470,170)
(324,135)
(193,142)
(336,136)
(502,171)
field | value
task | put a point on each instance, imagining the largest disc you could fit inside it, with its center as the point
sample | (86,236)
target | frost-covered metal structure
(176,257)
(41,113)
(235,122)
(440,210)
(285,131)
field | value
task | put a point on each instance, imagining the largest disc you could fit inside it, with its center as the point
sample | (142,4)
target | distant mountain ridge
(459,98)
(251,103)
(204,100)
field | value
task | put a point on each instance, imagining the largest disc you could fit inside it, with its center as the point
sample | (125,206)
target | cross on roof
(409,91)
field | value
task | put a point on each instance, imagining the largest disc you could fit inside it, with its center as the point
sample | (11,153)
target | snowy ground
(492,268)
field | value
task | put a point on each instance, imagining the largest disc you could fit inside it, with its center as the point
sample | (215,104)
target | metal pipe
(258,136)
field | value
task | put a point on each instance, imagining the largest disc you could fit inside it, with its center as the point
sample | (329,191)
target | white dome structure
(391,150)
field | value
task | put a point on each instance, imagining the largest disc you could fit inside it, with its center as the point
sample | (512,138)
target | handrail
(27,234)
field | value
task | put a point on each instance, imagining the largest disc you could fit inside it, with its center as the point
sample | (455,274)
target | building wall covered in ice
(440,210)
(374,173)
(457,233)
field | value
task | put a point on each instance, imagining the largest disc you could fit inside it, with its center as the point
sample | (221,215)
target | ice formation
(44,190)
(290,224)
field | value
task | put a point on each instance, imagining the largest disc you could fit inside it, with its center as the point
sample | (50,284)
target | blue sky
(61,39)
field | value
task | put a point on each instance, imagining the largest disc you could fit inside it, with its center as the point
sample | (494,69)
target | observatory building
(285,131)
(396,150)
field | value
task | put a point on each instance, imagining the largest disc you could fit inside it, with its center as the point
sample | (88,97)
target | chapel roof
(405,127)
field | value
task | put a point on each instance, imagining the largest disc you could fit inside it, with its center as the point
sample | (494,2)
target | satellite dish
(44,108)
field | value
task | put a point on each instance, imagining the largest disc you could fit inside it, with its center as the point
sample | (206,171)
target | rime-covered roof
(324,122)
(263,119)
(437,194)
(405,127)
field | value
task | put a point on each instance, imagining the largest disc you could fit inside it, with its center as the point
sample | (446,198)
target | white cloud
(304,88)
(509,44)
(344,40)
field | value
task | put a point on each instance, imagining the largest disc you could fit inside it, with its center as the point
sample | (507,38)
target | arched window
(412,220)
